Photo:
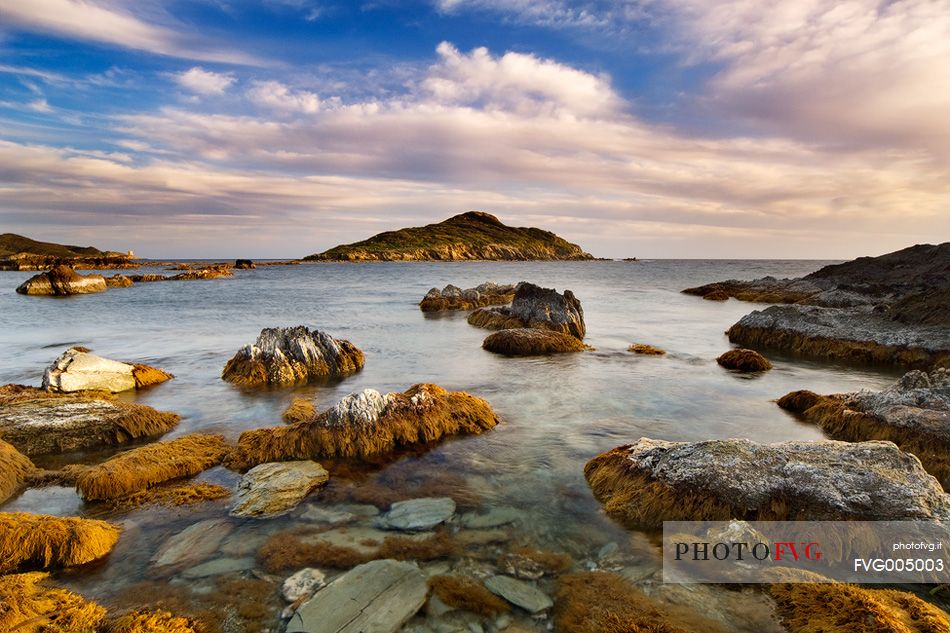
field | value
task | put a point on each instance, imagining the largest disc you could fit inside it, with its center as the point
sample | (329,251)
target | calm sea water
(557,411)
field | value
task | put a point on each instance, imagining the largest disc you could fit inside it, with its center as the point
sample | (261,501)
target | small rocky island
(469,236)
(891,309)
(22,253)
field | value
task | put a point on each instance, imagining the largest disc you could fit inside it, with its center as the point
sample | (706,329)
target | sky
(647,128)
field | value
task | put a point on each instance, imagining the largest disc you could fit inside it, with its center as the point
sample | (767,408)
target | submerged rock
(454,298)
(367,424)
(79,370)
(376,597)
(535,307)
(244,264)
(38,422)
(647,350)
(531,342)
(519,593)
(418,514)
(62,281)
(893,309)
(744,360)
(652,481)
(193,545)
(291,356)
(276,488)
(914,413)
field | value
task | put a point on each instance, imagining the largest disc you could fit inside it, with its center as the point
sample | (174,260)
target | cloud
(205,82)
(277,96)
(113,24)
(39,105)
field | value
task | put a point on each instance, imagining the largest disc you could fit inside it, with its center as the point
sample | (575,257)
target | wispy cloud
(205,82)
(277,96)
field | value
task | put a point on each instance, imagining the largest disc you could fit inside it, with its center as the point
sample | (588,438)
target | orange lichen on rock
(15,468)
(141,468)
(368,424)
(468,594)
(842,608)
(603,602)
(299,410)
(26,606)
(745,360)
(649,350)
(145,621)
(39,541)
(146,375)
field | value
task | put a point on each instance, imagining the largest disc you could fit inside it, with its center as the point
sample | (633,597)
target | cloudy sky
(650,128)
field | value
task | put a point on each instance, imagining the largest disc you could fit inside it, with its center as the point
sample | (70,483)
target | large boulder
(914,413)
(368,424)
(39,422)
(653,481)
(535,307)
(376,597)
(61,281)
(79,370)
(531,342)
(273,489)
(291,356)
(454,298)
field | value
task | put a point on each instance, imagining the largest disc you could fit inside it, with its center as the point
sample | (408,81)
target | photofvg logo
(806,551)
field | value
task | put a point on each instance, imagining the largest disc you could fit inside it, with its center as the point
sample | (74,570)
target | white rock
(302,584)
(75,370)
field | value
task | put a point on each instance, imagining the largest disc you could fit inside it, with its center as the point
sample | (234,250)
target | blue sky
(681,128)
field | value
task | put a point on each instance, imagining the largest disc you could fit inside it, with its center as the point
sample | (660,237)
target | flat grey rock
(218,567)
(418,514)
(194,544)
(519,593)
(377,597)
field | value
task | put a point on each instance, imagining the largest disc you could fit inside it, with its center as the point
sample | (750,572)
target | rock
(368,424)
(244,264)
(290,356)
(362,540)
(496,517)
(535,307)
(191,546)
(453,298)
(118,281)
(474,235)
(744,360)
(219,567)
(891,309)
(303,584)
(38,422)
(531,342)
(276,488)
(316,514)
(62,281)
(376,597)
(519,593)
(79,370)
(242,543)
(418,514)
(652,481)
(914,413)
(648,350)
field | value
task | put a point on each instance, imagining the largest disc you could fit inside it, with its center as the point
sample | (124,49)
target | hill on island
(22,253)
(469,236)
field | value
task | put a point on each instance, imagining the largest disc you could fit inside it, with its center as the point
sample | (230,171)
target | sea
(557,411)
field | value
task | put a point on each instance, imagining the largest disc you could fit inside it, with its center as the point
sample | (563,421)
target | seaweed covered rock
(744,360)
(79,370)
(454,298)
(368,424)
(535,307)
(244,264)
(146,621)
(914,413)
(652,481)
(119,281)
(604,602)
(842,608)
(147,466)
(276,488)
(29,606)
(291,356)
(531,342)
(646,350)
(38,422)
(468,594)
(14,470)
(62,281)
(38,541)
